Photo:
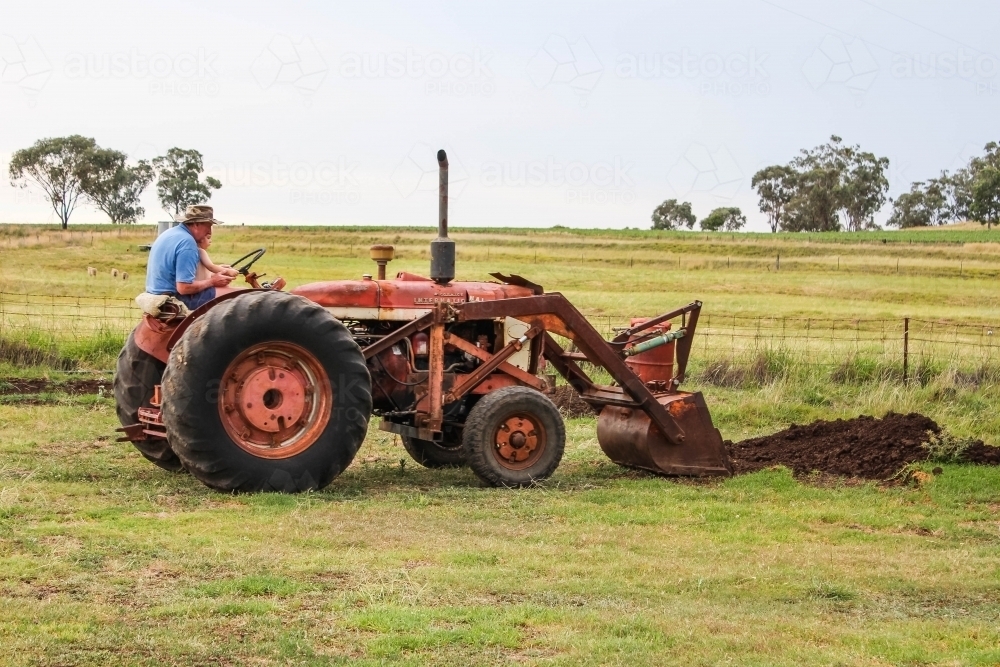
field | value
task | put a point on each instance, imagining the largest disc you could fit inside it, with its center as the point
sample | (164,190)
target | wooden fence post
(906,348)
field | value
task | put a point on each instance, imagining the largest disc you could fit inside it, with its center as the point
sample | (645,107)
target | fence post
(906,348)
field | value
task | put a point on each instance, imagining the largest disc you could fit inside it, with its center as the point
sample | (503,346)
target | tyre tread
(136,374)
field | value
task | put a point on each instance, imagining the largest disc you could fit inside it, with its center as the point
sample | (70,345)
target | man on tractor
(174,259)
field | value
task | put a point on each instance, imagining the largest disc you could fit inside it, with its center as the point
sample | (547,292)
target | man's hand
(217,280)
(220,279)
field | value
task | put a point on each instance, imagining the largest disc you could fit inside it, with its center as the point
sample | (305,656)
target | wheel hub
(275,400)
(519,442)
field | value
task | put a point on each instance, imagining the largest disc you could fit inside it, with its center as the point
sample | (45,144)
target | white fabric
(152,303)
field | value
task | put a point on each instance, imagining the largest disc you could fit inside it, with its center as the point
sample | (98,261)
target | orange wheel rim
(519,442)
(275,400)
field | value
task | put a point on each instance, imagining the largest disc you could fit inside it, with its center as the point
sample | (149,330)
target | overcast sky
(577,114)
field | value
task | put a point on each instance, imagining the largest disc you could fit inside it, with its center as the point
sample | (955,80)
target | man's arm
(187,262)
(193,287)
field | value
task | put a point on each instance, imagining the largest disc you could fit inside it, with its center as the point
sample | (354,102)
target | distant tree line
(72,170)
(824,189)
(672,214)
(835,186)
(971,193)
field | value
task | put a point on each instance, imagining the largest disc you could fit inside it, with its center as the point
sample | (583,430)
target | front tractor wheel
(514,437)
(266,392)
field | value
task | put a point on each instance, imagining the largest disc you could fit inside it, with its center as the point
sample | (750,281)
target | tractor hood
(407,297)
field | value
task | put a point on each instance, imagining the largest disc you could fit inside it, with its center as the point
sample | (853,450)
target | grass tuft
(757,369)
(945,447)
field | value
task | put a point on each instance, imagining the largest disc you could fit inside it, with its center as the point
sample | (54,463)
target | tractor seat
(162,306)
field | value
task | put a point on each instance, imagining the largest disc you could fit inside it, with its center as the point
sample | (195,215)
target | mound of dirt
(864,447)
(569,402)
(981,453)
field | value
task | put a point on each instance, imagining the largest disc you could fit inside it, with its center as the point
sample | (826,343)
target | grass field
(946,274)
(105,559)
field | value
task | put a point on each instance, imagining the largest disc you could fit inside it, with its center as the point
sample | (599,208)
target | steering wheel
(254,256)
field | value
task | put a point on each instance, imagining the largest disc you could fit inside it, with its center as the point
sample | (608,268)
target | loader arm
(554,313)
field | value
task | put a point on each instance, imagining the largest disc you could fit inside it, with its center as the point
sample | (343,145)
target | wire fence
(904,342)
(65,317)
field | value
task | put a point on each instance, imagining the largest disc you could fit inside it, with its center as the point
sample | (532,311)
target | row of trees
(74,169)
(835,186)
(971,193)
(822,189)
(672,214)
(826,188)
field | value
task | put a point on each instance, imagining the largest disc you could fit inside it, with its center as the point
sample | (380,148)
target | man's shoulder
(177,237)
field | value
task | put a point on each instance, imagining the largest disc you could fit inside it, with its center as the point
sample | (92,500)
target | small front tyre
(514,437)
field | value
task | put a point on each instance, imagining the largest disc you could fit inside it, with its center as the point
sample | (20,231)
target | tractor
(264,389)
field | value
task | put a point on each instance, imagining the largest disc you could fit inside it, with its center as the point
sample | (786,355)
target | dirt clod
(570,404)
(864,447)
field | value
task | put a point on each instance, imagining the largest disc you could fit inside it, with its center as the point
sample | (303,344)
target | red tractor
(263,389)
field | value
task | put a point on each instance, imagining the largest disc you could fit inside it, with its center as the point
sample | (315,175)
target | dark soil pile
(978,452)
(864,447)
(569,402)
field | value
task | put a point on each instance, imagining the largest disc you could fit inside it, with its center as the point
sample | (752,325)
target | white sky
(571,113)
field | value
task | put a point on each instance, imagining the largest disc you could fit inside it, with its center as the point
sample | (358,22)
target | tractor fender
(201,310)
(151,336)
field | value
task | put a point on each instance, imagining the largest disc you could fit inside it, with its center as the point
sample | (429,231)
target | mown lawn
(106,560)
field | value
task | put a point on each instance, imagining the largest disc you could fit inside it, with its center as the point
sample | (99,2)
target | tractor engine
(374,309)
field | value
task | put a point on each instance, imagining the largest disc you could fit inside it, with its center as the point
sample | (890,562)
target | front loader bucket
(629,438)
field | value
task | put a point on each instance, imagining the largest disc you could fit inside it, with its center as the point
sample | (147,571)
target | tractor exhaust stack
(442,248)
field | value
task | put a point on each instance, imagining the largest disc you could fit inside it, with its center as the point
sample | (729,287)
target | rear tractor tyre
(266,392)
(514,437)
(446,454)
(136,375)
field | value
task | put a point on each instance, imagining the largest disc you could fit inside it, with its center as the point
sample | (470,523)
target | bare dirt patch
(32,386)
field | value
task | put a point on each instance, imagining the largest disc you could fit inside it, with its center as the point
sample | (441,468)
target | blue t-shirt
(174,259)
